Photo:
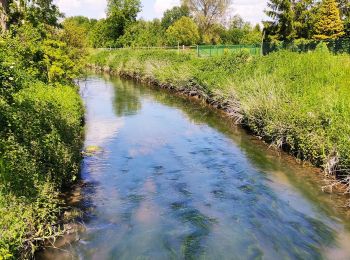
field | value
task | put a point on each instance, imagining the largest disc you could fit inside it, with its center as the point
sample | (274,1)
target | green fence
(341,45)
(217,50)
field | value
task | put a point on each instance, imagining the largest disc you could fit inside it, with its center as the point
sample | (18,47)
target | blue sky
(250,10)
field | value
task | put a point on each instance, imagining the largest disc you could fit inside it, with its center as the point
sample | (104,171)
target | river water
(175,180)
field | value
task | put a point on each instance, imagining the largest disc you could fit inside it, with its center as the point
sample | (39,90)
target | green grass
(300,102)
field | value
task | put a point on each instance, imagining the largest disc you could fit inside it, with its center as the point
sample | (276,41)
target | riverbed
(175,179)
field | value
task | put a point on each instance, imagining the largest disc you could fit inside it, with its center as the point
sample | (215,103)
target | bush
(41,118)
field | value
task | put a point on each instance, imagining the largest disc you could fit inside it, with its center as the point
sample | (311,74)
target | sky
(250,10)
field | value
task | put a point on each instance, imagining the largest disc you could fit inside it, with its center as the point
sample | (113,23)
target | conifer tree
(282,26)
(329,24)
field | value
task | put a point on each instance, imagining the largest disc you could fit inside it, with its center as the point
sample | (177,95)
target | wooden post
(262,42)
(197,50)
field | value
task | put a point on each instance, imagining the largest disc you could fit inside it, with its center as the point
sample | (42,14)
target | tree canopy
(120,14)
(329,25)
(172,15)
(208,12)
(307,19)
(183,32)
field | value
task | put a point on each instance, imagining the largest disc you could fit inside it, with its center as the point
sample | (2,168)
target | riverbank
(41,137)
(297,102)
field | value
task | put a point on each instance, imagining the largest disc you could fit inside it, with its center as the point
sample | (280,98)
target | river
(174,179)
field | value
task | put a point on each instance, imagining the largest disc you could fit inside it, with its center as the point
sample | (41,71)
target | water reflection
(178,181)
(126,98)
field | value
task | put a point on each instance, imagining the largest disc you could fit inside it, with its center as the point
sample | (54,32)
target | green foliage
(172,15)
(77,31)
(241,32)
(99,36)
(40,135)
(282,26)
(35,12)
(322,48)
(120,14)
(183,32)
(329,25)
(208,13)
(306,19)
(143,34)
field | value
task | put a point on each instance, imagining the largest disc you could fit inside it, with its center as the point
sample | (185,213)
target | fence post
(197,50)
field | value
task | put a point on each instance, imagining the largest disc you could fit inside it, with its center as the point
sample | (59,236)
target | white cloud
(89,8)
(251,10)
(160,6)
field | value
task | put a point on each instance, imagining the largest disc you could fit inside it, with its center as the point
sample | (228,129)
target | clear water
(175,180)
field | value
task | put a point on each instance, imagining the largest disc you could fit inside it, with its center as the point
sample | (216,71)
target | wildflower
(11,78)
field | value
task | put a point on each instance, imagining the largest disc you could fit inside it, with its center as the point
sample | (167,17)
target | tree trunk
(3,16)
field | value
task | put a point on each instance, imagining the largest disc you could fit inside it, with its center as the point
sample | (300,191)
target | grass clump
(297,101)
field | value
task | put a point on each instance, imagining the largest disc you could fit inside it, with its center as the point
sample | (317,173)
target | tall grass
(299,102)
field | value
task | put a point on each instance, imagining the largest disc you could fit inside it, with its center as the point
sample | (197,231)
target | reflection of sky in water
(102,130)
(101,123)
(173,186)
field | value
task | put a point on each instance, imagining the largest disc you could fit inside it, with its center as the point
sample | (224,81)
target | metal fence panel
(218,50)
(337,46)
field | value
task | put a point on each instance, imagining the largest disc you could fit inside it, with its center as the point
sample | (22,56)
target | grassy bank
(41,119)
(299,102)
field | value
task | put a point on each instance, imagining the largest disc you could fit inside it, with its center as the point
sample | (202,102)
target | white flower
(10,78)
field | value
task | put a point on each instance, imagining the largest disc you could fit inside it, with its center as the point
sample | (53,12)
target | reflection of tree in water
(126,98)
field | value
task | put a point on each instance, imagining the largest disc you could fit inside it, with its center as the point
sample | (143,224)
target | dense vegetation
(41,117)
(302,106)
(307,19)
(180,25)
(209,22)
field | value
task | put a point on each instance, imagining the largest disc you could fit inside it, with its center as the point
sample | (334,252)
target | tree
(208,12)
(77,30)
(172,15)
(143,34)
(344,8)
(35,12)
(282,25)
(100,35)
(240,32)
(304,18)
(120,14)
(3,14)
(329,24)
(184,32)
